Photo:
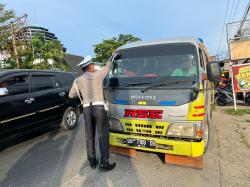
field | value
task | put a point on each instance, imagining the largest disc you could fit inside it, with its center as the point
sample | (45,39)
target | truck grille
(144,127)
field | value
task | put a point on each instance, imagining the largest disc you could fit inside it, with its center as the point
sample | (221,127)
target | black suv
(32,99)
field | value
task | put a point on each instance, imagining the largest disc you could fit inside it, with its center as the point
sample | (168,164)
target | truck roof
(160,41)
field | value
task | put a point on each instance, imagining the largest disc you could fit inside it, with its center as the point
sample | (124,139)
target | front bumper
(163,145)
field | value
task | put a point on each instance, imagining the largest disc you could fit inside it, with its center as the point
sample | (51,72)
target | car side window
(42,82)
(66,80)
(16,84)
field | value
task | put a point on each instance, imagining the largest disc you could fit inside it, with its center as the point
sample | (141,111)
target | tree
(104,50)
(42,55)
(5,15)
(48,55)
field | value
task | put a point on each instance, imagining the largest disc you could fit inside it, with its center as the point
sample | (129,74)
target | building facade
(28,32)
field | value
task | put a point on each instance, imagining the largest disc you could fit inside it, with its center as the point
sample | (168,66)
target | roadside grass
(239,112)
(213,107)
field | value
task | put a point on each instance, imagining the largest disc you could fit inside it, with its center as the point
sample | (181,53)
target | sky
(79,24)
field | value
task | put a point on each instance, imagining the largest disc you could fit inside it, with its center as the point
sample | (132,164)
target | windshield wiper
(134,84)
(165,83)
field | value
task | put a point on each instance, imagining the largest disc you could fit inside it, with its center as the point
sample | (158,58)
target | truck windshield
(148,64)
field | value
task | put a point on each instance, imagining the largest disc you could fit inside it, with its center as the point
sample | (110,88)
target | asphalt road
(58,158)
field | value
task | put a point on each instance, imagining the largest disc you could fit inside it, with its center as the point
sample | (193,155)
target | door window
(205,59)
(16,84)
(65,80)
(41,82)
(202,64)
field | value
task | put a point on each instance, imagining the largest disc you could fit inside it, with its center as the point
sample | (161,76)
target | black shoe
(107,167)
(93,164)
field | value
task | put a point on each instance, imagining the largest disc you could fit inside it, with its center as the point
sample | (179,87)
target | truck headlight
(182,130)
(115,124)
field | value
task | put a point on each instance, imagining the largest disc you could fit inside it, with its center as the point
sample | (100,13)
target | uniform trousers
(95,117)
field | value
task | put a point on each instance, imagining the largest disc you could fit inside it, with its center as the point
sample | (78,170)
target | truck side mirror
(4,91)
(213,71)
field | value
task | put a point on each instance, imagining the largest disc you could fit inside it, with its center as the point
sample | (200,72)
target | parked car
(33,99)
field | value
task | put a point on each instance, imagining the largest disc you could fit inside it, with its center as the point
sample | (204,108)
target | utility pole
(17,31)
(14,45)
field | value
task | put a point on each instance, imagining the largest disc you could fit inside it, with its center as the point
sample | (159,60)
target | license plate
(141,143)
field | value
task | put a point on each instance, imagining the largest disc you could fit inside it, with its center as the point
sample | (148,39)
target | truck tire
(70,118)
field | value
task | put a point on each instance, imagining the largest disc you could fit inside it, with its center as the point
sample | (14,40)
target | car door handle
(61,94)
(29,100)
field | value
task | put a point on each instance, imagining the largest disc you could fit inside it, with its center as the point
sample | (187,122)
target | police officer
(89,86)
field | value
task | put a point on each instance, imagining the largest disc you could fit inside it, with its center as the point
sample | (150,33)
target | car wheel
(70,119)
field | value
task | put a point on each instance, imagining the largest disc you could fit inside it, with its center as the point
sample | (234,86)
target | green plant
(104,50)
(239,112)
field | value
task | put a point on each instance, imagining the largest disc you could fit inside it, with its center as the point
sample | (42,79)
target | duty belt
(93,103)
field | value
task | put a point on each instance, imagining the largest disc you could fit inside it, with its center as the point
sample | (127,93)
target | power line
(224,38)
(223,28)
(230,15)
(232,20)
(237,4)
(244,18)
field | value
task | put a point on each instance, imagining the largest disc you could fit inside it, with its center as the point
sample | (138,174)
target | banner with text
(241,77)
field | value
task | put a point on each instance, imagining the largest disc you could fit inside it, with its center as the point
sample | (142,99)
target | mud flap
(196,162)
(123,151)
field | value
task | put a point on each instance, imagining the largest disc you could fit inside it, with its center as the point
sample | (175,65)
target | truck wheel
(70,119)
